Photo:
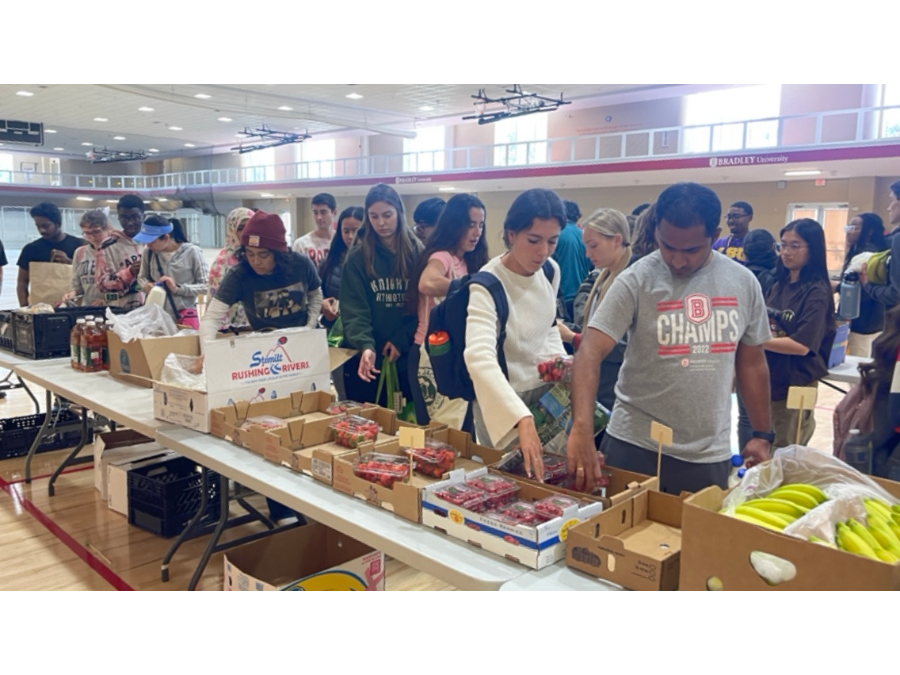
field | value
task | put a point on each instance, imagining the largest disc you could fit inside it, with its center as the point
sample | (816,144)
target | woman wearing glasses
(801,311)
(95,266)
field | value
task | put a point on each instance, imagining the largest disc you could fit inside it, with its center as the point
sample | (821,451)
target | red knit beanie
(265,230)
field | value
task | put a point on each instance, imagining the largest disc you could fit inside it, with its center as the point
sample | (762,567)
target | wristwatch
(768,436)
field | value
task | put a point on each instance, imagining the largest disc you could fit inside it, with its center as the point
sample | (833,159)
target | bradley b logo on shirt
(697,324)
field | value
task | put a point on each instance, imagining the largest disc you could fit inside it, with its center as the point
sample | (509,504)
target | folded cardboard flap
(141,361)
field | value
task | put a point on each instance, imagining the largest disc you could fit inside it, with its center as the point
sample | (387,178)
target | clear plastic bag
(148,321)
(844,486)
(184,371)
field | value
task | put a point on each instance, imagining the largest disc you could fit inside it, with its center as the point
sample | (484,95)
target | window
(259,165)
(317,159)
(6,167)
(425,152)
(716,110)
(890,121)
(521,140)
(833,218)
(286,219)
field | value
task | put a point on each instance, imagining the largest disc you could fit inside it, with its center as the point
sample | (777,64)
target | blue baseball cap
(150,232)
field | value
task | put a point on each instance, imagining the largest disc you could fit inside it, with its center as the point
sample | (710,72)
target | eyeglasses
(736,216)
(793,248)
(96,232)
(852,228)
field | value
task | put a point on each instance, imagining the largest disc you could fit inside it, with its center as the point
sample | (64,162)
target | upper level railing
(832,128)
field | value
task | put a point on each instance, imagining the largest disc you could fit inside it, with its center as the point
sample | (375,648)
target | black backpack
(450,316)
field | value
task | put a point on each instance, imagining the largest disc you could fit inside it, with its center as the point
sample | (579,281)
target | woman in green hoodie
(373,300)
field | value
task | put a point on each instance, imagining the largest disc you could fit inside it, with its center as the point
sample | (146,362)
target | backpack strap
(549,271)
(498,293)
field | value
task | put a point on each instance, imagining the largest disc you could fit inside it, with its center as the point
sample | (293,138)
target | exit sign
(820,182)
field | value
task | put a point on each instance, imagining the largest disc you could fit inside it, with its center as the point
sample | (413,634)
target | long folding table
(9,361)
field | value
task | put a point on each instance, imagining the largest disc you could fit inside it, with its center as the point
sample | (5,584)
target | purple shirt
(731,247)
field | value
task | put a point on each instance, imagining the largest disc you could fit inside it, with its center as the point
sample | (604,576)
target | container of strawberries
(341,407)
(433,460)
(521,512)
(381,469)
(351,431)
(500,490)
(555,368)
(553,507)
(464,496)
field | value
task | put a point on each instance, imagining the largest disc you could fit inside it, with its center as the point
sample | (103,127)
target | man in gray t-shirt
(693,319)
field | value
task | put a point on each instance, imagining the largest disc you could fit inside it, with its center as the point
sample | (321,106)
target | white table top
(848,371)
(424,549)
(125,403)
(558,577)
(9,360)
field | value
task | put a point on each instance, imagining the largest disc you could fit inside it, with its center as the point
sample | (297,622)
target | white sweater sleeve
(314,307)
(499,402)
(212,319)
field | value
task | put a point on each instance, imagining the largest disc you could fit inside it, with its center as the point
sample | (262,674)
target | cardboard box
(716,550)
(403,499)
(117,479)
(308,558)
(251,367)
(636,543)
(119,447)
(141,361)
(536,547)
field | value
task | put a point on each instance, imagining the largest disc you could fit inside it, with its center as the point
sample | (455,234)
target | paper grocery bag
(48,282)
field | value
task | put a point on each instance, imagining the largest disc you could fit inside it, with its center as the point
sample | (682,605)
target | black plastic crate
(18,433)
(165,495)
(46,336)
(7,329)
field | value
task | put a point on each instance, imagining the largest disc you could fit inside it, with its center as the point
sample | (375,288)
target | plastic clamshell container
(352,430)
(265,421)
(556,469)
(499,490)
(521,512)
(464,496)
(381,469)
(555,368)
(553,507)
(341,407)
(433,460)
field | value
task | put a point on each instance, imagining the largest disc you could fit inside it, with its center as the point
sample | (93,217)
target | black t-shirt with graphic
(277,300)
(40,249)
(807,317)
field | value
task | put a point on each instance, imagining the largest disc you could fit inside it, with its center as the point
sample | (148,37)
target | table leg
(220,527)
(72,455)
(37,406)
(39,438)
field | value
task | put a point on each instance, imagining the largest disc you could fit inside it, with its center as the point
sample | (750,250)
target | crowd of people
(666,314)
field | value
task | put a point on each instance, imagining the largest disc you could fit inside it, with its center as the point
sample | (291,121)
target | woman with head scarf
(234,225)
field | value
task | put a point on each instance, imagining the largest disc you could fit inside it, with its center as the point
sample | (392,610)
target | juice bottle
(92,348)
(104,327)
(75,343)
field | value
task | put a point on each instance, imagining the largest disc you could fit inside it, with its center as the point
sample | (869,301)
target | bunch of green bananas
(781,507)
(879,540)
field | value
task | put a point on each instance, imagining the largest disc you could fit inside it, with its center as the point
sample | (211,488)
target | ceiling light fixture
(112,201)
(520,103)
(803,172)
(203,96)
(225,119)
(24,93)
(426,108)
(152,150)
(286,108)
(59,149)
(266,194)
(176,129)
(87,145)
(447,189)
(49,131)
(144,108)
(84,199)
(100,119)
(118,138)
(189,145)
(353,95)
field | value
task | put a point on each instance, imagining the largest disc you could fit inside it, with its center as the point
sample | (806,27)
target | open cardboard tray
(636,543)
(716,549)
(536,547)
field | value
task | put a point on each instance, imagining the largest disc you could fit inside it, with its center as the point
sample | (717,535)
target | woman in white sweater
(530,232)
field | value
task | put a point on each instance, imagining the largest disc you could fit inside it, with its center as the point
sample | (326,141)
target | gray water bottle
(850,296)
(858,452)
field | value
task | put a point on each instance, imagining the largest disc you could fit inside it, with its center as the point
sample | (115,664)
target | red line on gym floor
(94,563)
(48,475)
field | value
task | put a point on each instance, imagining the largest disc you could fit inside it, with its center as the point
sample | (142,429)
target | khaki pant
(861,345)
(785,421)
